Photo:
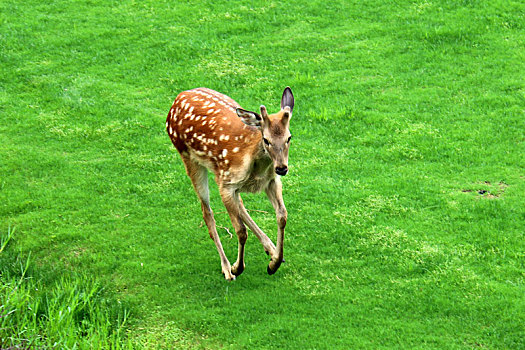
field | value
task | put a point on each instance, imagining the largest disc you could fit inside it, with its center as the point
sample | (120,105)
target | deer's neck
(262,163)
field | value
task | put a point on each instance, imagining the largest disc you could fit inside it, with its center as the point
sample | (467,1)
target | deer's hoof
(227,274)
(237,269)
(273,266)
(229,277)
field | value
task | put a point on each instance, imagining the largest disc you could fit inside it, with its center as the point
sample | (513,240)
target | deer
(246,151)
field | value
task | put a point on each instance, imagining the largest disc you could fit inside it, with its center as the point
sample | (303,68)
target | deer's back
(203,125)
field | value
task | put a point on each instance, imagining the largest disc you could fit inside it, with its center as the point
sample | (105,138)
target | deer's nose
(281,170)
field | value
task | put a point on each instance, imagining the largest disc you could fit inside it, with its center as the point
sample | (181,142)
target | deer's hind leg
(199,178)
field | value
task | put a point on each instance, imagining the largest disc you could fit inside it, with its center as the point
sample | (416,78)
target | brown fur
(211,132)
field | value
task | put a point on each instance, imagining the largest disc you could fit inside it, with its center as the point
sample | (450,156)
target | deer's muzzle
(281,170)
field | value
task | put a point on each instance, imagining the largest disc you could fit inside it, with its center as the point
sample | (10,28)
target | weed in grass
(72,313)
(4,239)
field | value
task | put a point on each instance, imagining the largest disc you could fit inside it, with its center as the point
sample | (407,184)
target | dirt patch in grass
(488,190)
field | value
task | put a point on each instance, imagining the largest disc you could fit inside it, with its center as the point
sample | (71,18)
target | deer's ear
(249,118)
(287,99)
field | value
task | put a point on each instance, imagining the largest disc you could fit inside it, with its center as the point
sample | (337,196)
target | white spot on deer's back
(235,150)
(224,152)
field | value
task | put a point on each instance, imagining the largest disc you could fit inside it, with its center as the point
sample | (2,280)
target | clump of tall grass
(74,312)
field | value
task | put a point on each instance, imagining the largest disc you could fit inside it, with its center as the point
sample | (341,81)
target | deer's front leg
(267,243)
(275,195)
(232,200)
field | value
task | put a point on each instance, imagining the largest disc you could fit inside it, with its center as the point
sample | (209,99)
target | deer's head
(275,130)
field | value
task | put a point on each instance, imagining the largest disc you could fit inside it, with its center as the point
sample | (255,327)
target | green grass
(405,192)
(71,313)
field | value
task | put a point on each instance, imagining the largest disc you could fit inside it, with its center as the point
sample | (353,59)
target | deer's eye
(289,139)
(266,142)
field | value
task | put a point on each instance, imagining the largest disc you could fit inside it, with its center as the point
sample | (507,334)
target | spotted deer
(246,151)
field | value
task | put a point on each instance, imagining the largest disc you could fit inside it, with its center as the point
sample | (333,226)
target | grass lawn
(405,196)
